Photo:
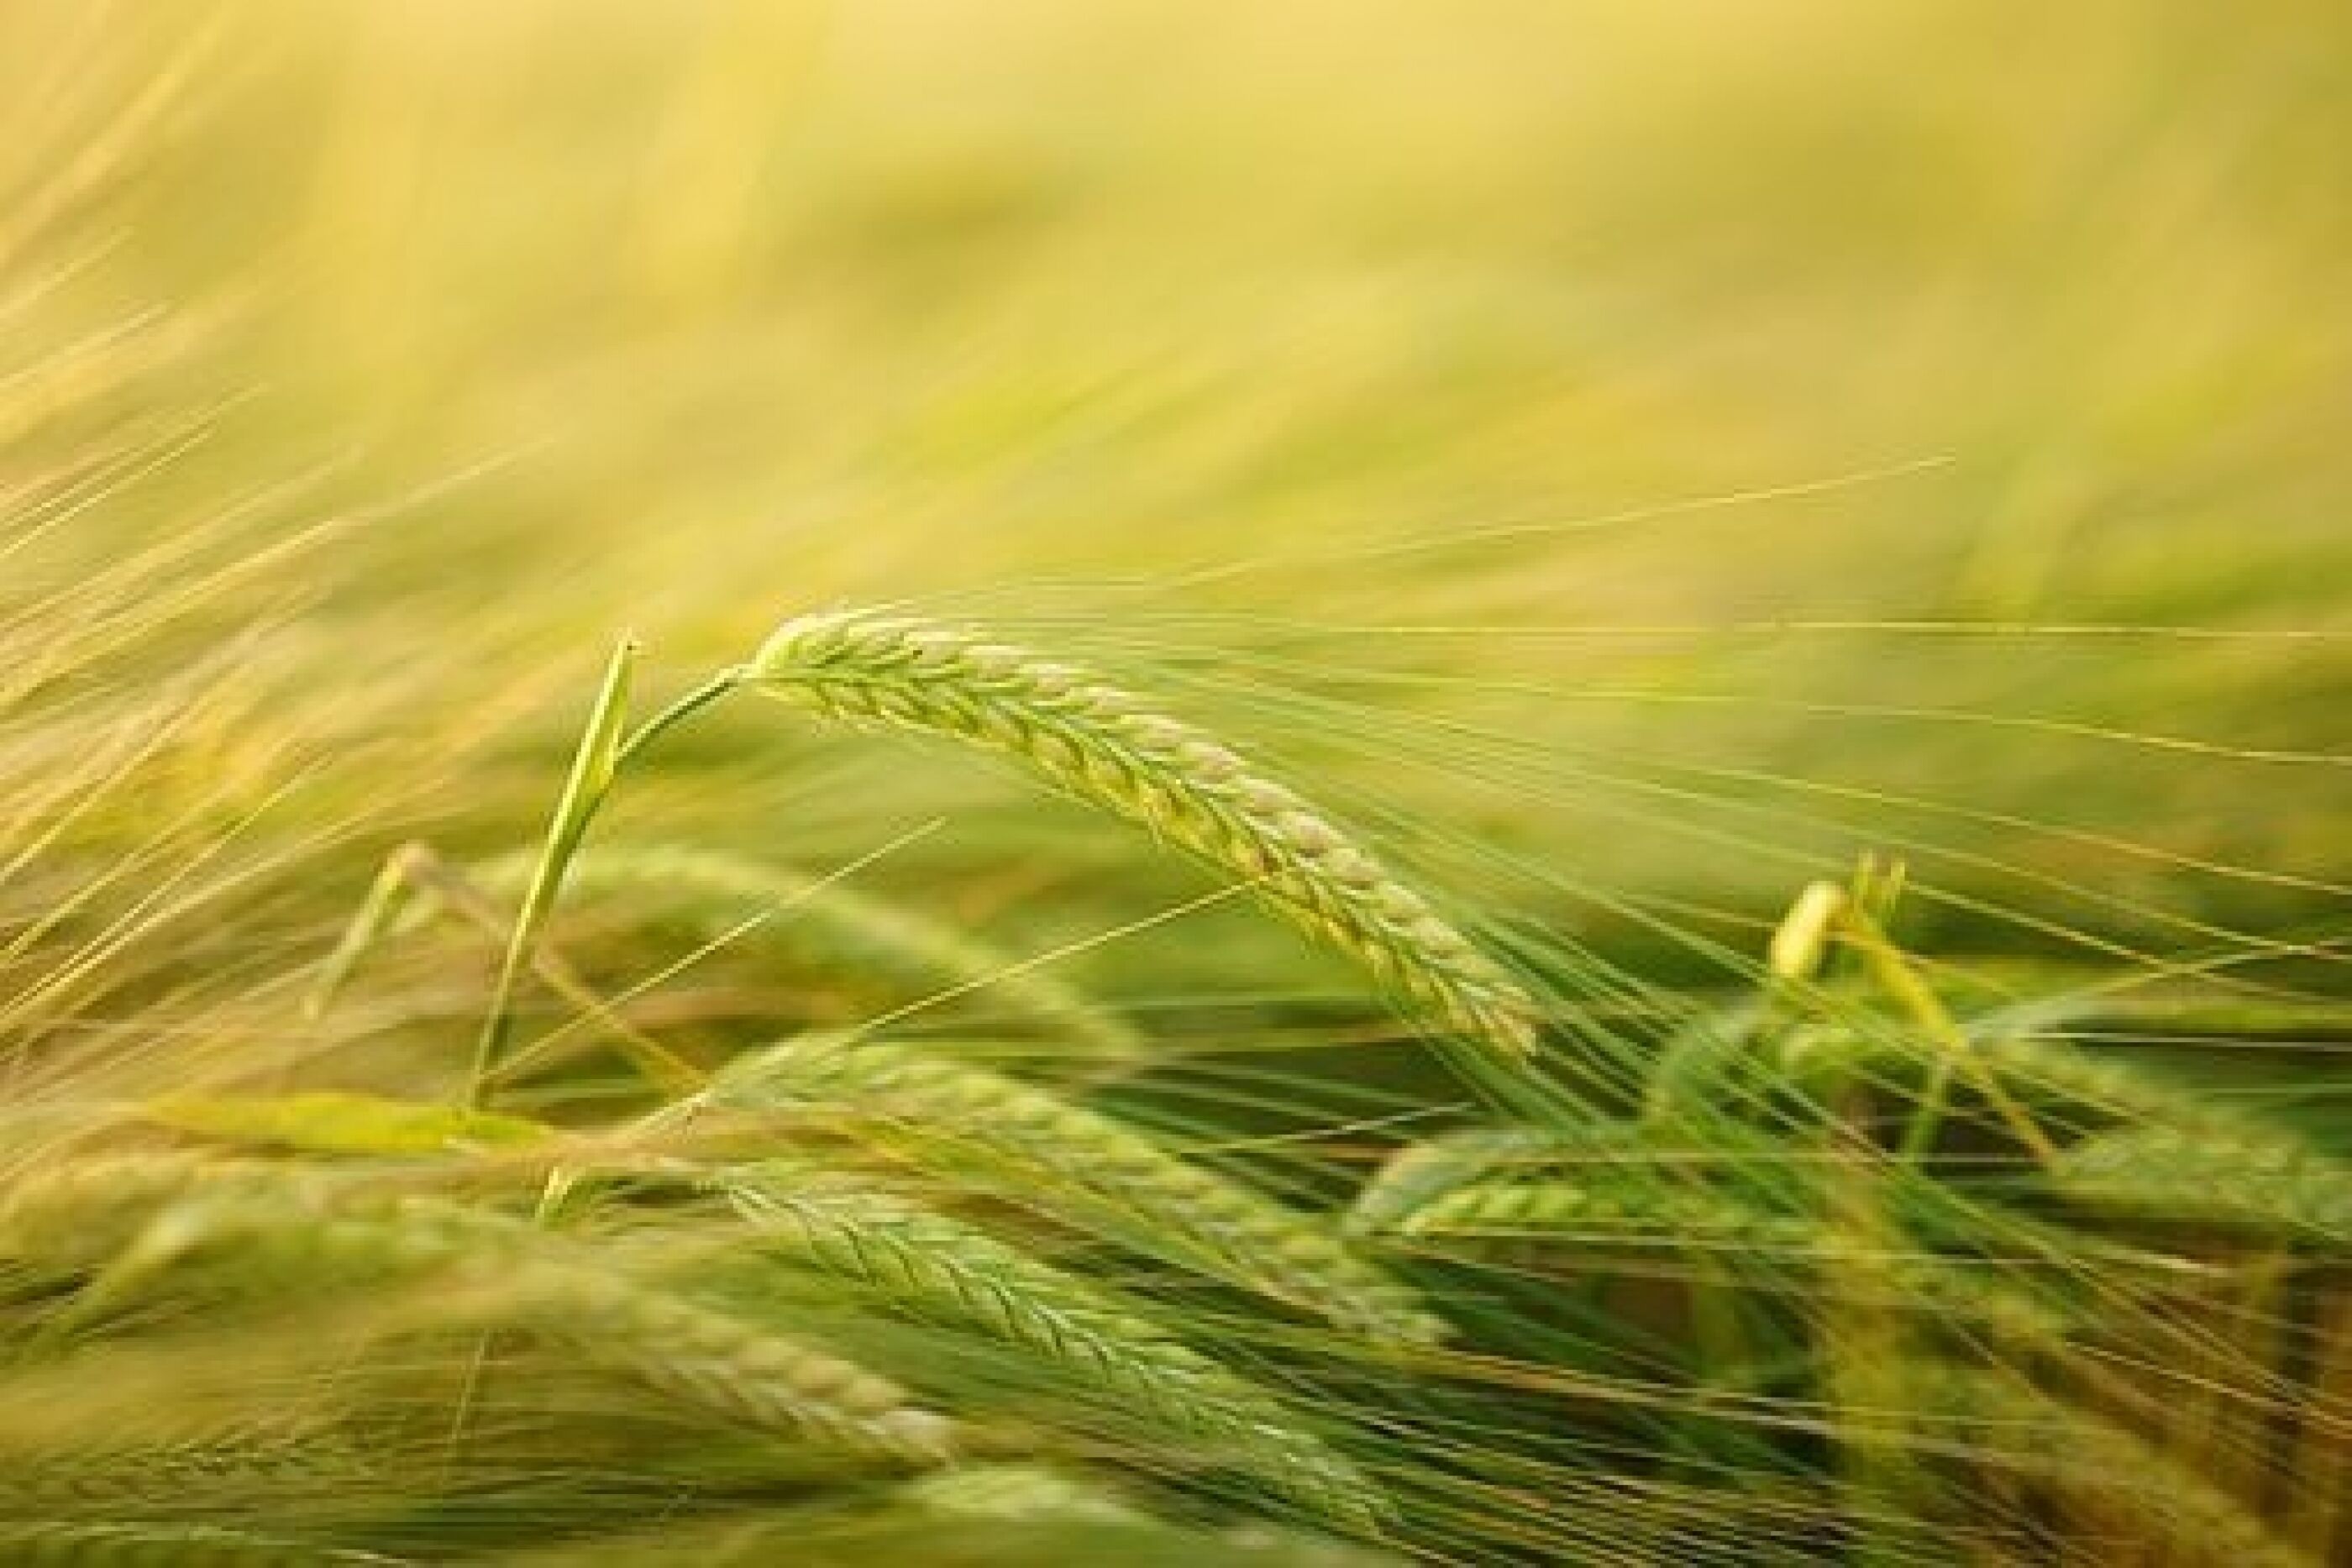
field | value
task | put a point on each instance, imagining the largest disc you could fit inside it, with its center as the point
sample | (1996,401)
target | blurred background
(1632,457)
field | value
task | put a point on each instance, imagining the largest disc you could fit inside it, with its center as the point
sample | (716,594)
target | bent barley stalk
(1106,747)
(716,892)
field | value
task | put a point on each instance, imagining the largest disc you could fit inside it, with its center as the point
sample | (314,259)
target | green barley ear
(1017,1491)
(1003,1514)
(1610,1210)
(73,1215)
(488,1269)
(1047,1150)
(1105,746)
(1421,1174)
(2078,1093)
(224,1471)
(2269,1187)
(1600,1212)
(943,1269)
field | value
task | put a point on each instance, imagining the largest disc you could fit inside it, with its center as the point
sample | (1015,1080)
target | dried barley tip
(1802,940)
(1102,745)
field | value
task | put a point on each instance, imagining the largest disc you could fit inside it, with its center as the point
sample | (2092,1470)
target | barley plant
(1369,786)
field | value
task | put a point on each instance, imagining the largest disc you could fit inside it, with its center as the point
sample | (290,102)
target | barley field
(1124,783)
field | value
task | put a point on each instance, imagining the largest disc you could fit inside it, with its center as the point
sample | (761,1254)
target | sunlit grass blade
(585,786)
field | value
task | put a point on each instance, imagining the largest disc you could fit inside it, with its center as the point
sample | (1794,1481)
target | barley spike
(1102,745)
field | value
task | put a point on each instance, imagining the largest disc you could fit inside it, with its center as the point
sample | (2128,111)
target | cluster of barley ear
(904,1297)
(975,1126)
(1822,1234)
(841,1169)
(263,1228)
(948,1270)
